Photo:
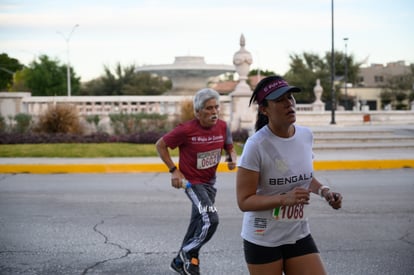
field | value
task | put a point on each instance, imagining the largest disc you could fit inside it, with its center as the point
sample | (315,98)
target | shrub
(400,96)
(386,98)
(3,124)
(33,138)
(60,119)
(93,119)
(187,111)
(149,137)
(23,123)
(400,106)
(411,96)
(132,123)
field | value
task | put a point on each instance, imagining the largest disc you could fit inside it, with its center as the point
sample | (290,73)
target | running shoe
(177,265)
(190,265)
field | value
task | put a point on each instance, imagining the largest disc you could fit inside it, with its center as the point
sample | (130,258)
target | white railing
(104,105)
(308,114)
(304,107)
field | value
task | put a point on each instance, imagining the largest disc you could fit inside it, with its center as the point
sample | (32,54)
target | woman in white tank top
(274,182)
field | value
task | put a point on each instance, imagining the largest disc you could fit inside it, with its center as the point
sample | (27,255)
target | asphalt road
(133,224)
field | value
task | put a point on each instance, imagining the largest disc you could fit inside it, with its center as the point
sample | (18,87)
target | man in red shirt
(200,142)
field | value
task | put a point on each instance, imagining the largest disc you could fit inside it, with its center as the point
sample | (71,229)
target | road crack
(108,242)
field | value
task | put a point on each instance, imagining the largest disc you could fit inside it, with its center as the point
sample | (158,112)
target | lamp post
(67,39)
(6,70)
(332,67)
(346,74)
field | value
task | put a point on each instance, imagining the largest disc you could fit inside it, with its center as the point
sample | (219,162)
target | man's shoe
(177,265)
(190,265)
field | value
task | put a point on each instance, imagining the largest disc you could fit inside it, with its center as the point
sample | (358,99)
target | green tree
(114,83)
(303,72)
(144,83)
(411,93)
(93,87)
(305,68)
(124,81)
(110,83)
(19,81)
(47,77)
(345,62)
(262,73)
(398,88)
(8,67)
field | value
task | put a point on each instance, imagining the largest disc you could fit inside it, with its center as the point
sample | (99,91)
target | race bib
(208,159)
(288,213)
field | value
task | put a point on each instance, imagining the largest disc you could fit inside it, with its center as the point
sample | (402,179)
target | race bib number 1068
(289,212)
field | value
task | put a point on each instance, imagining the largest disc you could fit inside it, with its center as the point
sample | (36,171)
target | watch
(321,188)
(172,169)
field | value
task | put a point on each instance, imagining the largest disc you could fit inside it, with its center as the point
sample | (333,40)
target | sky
(153,32)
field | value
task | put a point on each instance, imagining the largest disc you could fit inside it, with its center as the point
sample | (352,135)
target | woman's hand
(333,198)
(295,196)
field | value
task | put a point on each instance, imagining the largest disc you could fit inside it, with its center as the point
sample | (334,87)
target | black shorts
(257,254)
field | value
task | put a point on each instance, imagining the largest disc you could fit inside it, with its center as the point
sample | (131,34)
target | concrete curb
(160,167)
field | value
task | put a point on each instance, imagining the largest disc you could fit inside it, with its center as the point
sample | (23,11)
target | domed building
(188,74)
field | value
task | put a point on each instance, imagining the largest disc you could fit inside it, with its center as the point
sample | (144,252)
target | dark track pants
(204,218)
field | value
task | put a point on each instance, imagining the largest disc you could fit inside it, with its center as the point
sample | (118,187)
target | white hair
(202,96)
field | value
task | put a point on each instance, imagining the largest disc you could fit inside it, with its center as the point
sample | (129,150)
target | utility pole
(67,39)
(333,103)
(346,74)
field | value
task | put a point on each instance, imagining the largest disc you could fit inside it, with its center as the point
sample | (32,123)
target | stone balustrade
(307,114)
(13,103)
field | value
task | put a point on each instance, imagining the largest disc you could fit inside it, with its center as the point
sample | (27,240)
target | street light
(6,70)
(346,74)
(67,39)
(332,68)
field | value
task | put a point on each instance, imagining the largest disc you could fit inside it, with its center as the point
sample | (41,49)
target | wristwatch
(172,169)
(321,188)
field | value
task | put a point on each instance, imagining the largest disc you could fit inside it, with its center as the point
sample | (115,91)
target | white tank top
(283,164)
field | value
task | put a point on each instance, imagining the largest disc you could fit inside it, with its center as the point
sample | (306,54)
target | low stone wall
(11,103)
(14,103)
(350,118)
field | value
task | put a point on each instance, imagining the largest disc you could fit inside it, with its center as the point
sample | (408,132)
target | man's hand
(231,165)
(231,162)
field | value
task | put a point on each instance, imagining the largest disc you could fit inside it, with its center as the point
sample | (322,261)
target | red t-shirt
(199,148)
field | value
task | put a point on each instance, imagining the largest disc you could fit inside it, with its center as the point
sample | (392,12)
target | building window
(379,78)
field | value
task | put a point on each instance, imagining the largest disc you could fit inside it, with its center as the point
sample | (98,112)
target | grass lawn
(83,150)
